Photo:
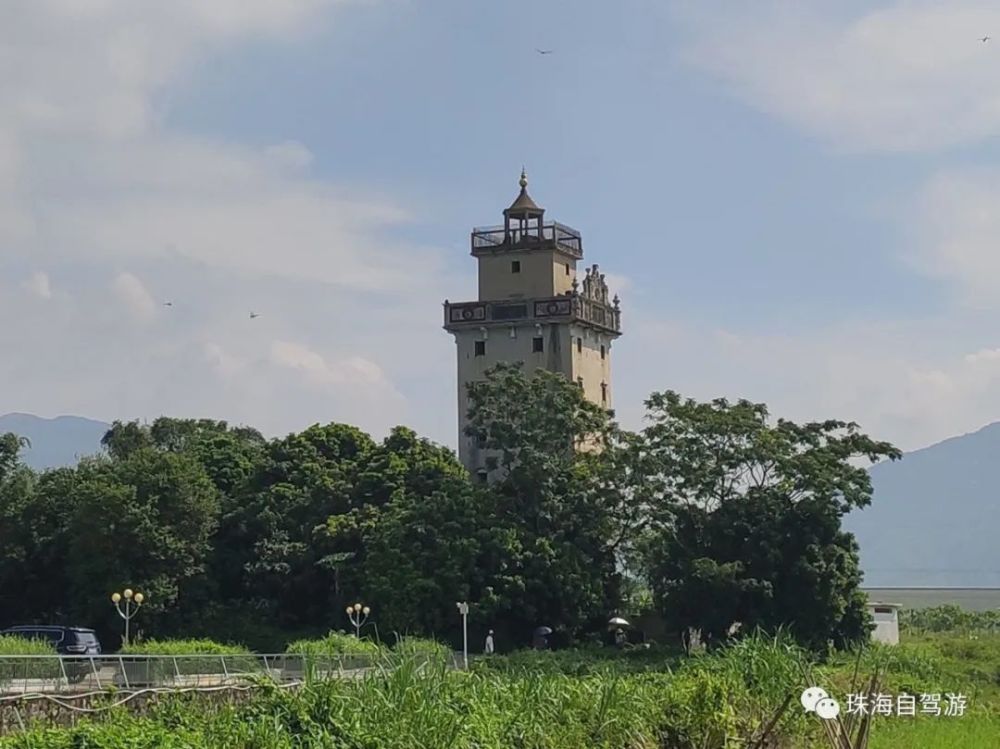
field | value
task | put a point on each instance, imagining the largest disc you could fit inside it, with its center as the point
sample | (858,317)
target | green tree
(748,519)
(230,456)
(146,520)
(20,533)
(124,438)
(557,508)
(412,542)
(277,534)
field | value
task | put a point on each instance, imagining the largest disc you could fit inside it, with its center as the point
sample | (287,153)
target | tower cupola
(523,219)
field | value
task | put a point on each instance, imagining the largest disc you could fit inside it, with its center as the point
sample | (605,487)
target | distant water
(971,599)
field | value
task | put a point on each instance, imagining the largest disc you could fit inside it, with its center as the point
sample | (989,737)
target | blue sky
(795,204)
(667,174)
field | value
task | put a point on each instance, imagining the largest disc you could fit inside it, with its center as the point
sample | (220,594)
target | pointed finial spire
(523,182)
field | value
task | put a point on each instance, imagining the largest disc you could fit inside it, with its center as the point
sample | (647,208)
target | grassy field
(961,663)
(639,699)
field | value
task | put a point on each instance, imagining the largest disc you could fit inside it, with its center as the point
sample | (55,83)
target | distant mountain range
(55,442)
(934,521)
(935,517)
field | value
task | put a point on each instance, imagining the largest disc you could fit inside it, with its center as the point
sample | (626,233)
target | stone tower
(532,308)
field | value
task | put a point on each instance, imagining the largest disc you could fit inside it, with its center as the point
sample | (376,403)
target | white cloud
(225,364)
(912,383)
(955,230)
(92,183)
(355,371)
(228,207)
(79,66)
(135,296)
(39,285)
(908,77)
(289,155)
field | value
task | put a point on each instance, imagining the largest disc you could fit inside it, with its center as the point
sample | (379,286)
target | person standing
(488,649)
(620,638)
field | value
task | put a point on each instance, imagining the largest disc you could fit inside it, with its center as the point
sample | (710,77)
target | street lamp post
(463,609)
(133,601)
(358,615)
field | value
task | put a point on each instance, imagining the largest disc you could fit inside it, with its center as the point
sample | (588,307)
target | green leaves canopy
(727,517)
(748,519)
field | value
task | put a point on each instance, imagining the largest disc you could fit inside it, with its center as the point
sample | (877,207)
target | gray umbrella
(617,621)
(543,631)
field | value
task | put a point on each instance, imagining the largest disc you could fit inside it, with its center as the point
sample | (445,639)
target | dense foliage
(749,523)
(712,515)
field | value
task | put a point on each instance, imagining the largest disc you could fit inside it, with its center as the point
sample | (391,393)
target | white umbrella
(618,622)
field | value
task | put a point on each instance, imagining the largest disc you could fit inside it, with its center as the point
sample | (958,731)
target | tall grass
(720,700)
(408,702)
(422,648)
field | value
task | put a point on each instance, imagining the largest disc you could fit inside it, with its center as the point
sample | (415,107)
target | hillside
(55,442)
(935,517)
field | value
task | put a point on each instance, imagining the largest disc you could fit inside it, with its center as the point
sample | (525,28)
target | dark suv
(66,640)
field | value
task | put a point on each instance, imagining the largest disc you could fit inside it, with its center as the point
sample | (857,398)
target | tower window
(602,352)
(482,476)
(604,392)
(537,344)
(579,345)
(515,266)
(579,381)
(567,269)
(480,348)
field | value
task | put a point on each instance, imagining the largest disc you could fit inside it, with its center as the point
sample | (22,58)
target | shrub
(12,645)
(584,661)
(189,657)
(17,668)
(335,643)
(949,618)
(334,652)
(183,647)
(422,648)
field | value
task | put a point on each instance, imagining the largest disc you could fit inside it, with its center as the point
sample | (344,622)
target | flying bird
(985,39)
(543,51)
(253,315)
(168,304)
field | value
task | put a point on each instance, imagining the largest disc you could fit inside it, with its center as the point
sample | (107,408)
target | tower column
(538,312)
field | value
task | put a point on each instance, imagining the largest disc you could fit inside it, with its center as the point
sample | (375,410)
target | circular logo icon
(467,314)
(816,700)
(827,708)
(553,308)
(811,696)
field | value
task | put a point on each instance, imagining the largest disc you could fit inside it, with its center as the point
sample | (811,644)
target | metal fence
(68,674)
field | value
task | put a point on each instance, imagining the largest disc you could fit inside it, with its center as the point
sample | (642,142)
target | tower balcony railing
(567,307)
(488,238)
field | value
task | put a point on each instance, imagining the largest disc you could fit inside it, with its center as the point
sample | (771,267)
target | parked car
(65,640)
